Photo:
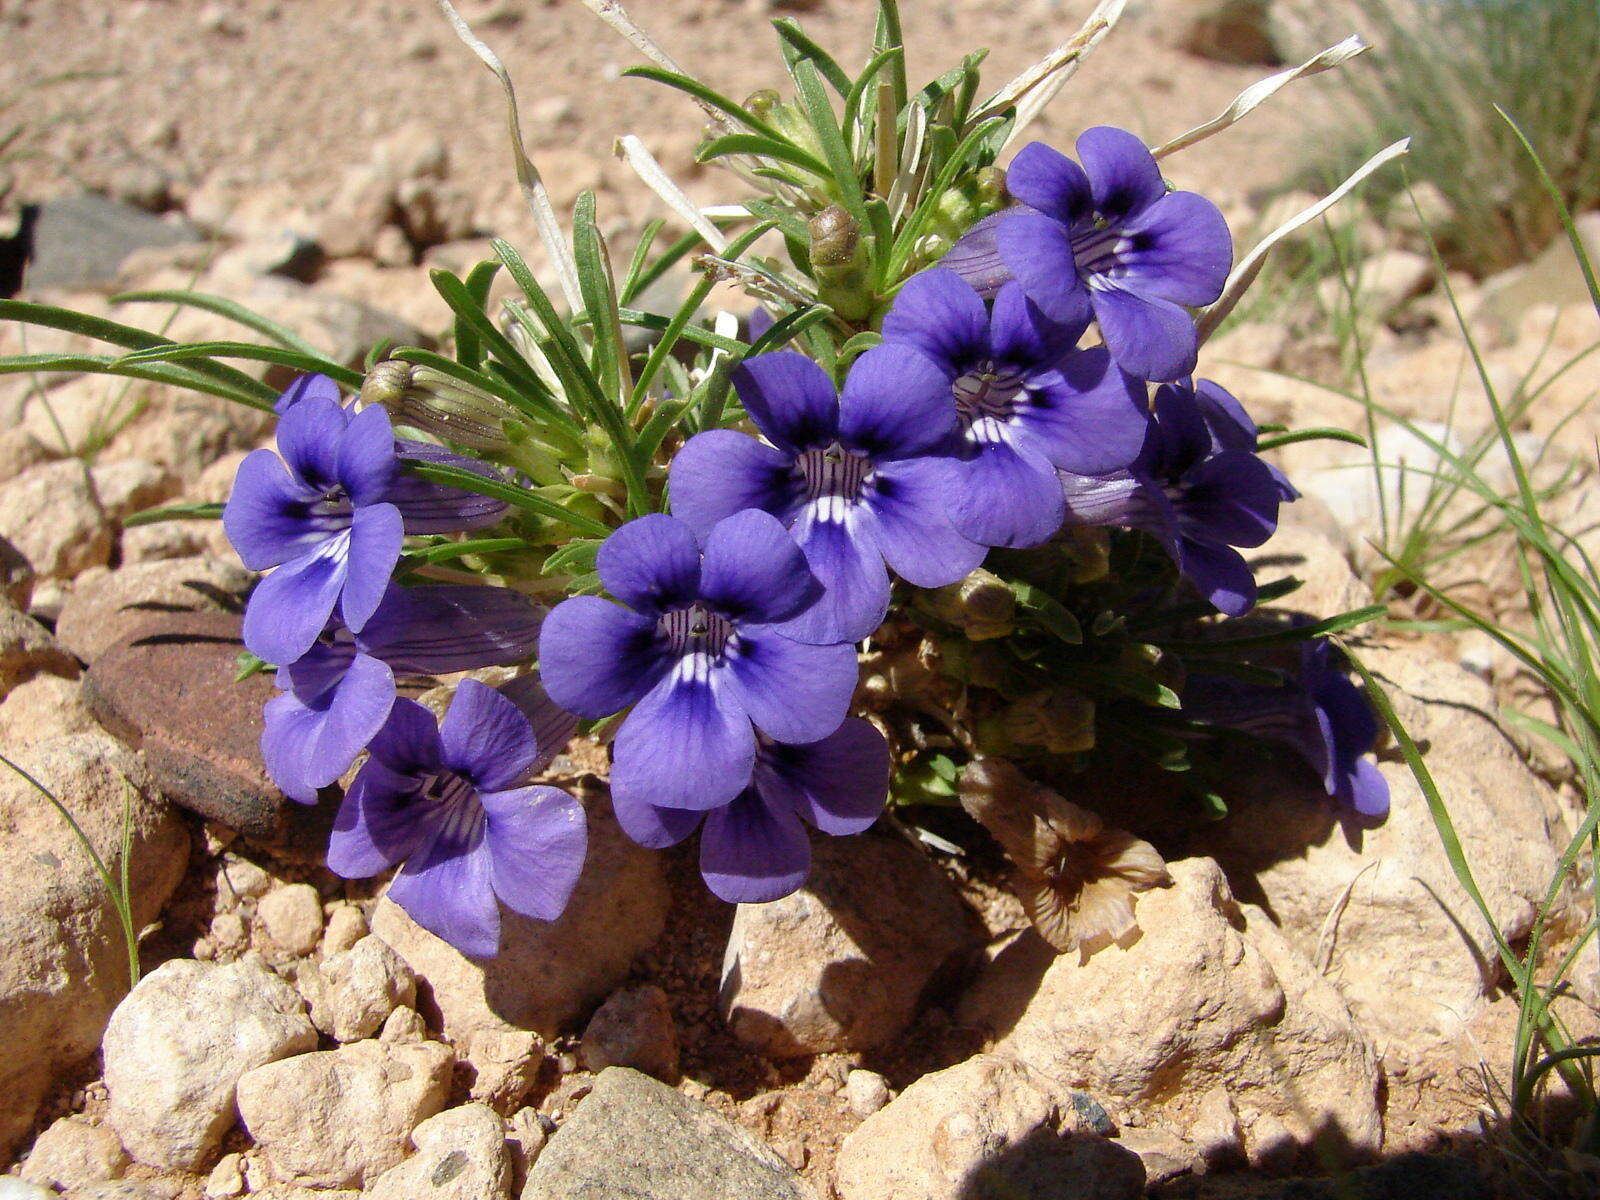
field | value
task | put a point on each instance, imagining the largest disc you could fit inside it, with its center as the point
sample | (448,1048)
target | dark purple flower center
(1099,247)
(989,390)
(833,473)
(331,511)
(695,630)
(450,788)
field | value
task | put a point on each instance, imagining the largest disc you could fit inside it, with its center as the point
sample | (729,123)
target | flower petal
(1220,574)
(553,726)
(1038,252)
(379,823)
(720,472)
(1123,174)
(408,744)
(1148,337)
(753,570)
(366,463)
(1181,250)
(790,398)
(307,387)
(290,607)
(1005,495)
(309,436)
(688,744)
(750,854)
(537,841)
(448,889)
(306,747)
(1232,497)
(376,535)
(844,557)
(597,657)
(940,314)
(976,256)
(438,507)
(896,404)
(1043,178)
(792,691)
(1230,425)
(912,526)
(487,738)
(1365,789)
(651,564)
(839,784)
(265,517)
(1088,417)
(1022,336)
(437,629)
(655,828)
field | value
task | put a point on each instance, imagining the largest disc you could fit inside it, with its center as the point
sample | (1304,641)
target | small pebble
(867,1092)
(291,915)
(347,925)
(240,879)
(402,1026)
(227,1177)
(228,931)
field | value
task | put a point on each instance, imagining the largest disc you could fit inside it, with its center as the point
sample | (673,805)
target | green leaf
(1047,612)
(445,551)
(641,256)
(706,95)
(469,311)
(798,45)
(174,512)
(1311,435)
(1293,633)
(841,165)
(787,328)
(599,297)
(761,147)
(469,350)
(577,557)
(222,307)
(105,364)
(499,489)
(670,257)
(1126,683)
(860,89)
(278,355)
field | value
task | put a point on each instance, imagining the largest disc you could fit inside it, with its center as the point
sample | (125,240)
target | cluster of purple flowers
(980,421)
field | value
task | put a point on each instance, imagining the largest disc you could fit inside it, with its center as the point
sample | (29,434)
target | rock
(50,516)
(177,1046)
(358,988)
(1318,560)
(46,705)
(1405,944)
(867,1091)
(291,915)
(168,690)
(970,1130)
(340,1118)
(633,1028)
(1554,277)
(632,1136)
(26,650)
(1229,31)
(1200,1001)
(106,606)
(347,925)
(80,241)
(1384,284)
(16,575)
(461,1155)
(20,450)
(526,1133)
(12,1188)
(1163,1155)
(546,972)
(63,961)
(843,963)
(73,1153)
(505,1065)
(404,1025)
(129,1189)
(226,1178)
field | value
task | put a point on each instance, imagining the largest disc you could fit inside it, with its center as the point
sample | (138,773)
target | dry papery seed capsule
(428,399)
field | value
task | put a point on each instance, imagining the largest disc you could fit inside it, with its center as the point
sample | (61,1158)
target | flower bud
(838,260)
(835,238)
(440,404)
(1060,720)
(981,605)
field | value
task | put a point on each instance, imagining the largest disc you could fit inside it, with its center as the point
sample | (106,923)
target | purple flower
(1231,427)
(330,514)
(1322,715)
(1200,502)
(850,474)
(306,387)
(696,652)
(1108,237)
(755,848)
(449,801)
(976,255)
(1027,402)
(338,694)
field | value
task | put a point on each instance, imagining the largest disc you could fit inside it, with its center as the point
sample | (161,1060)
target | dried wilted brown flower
(1075,877)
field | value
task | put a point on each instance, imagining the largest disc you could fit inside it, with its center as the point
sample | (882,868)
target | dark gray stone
(633,1137)
(81,241)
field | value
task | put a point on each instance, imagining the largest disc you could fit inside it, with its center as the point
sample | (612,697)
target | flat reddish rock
(168,690)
